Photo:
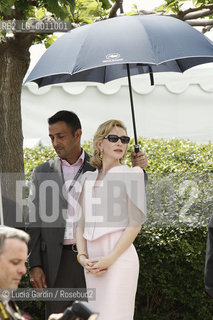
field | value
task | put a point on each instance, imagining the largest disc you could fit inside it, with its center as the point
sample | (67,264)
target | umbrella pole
(136,146)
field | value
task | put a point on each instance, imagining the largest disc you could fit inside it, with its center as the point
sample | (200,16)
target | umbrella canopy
(120,47)
(100,51)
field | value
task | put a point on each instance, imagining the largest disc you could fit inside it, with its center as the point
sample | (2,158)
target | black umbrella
(120,47)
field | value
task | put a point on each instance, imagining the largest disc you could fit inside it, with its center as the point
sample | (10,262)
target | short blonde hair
(102,131)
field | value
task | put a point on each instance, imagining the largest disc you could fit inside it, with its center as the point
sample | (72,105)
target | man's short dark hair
(69,117)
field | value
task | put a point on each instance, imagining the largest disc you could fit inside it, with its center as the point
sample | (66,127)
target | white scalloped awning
(174,82)
(179,105)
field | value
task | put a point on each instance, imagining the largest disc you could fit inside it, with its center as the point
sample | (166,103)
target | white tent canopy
(179,105)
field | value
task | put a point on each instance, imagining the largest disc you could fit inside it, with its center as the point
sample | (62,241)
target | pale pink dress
(116,288)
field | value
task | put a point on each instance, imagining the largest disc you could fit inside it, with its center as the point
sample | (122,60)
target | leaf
(40,13)
(92,6)
(57,8)
(106,4)
(5,6)
(50,40)
(71,7)
(162,7)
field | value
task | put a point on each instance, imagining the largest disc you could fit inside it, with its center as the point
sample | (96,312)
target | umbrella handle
(137,148)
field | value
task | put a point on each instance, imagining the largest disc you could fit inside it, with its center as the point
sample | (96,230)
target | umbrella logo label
(113,57)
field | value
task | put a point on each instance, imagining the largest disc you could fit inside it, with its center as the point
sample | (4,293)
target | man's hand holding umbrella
(139,159)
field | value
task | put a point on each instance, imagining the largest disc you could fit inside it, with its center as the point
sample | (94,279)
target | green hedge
(165,156)
(171,245)
(170,284)
(180,186)
(171,274)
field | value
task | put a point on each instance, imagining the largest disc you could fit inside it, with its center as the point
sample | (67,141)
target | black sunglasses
(114,138)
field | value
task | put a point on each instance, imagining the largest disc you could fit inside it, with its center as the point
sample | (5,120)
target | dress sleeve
(135,188)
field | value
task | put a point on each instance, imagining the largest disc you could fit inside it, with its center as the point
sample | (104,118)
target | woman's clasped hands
(98,265)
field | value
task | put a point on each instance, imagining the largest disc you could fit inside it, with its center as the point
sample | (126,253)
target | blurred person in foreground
(13,255)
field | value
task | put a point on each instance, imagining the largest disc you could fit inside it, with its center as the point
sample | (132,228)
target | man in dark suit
(52,202)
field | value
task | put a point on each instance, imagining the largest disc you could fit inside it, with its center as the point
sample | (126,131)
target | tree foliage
(15,59)
(75,11)
(197,13)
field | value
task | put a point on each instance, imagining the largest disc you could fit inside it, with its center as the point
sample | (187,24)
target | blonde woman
(111,211)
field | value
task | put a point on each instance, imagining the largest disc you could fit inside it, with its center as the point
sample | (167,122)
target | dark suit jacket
(47,204)
(11,214)
(208,276)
